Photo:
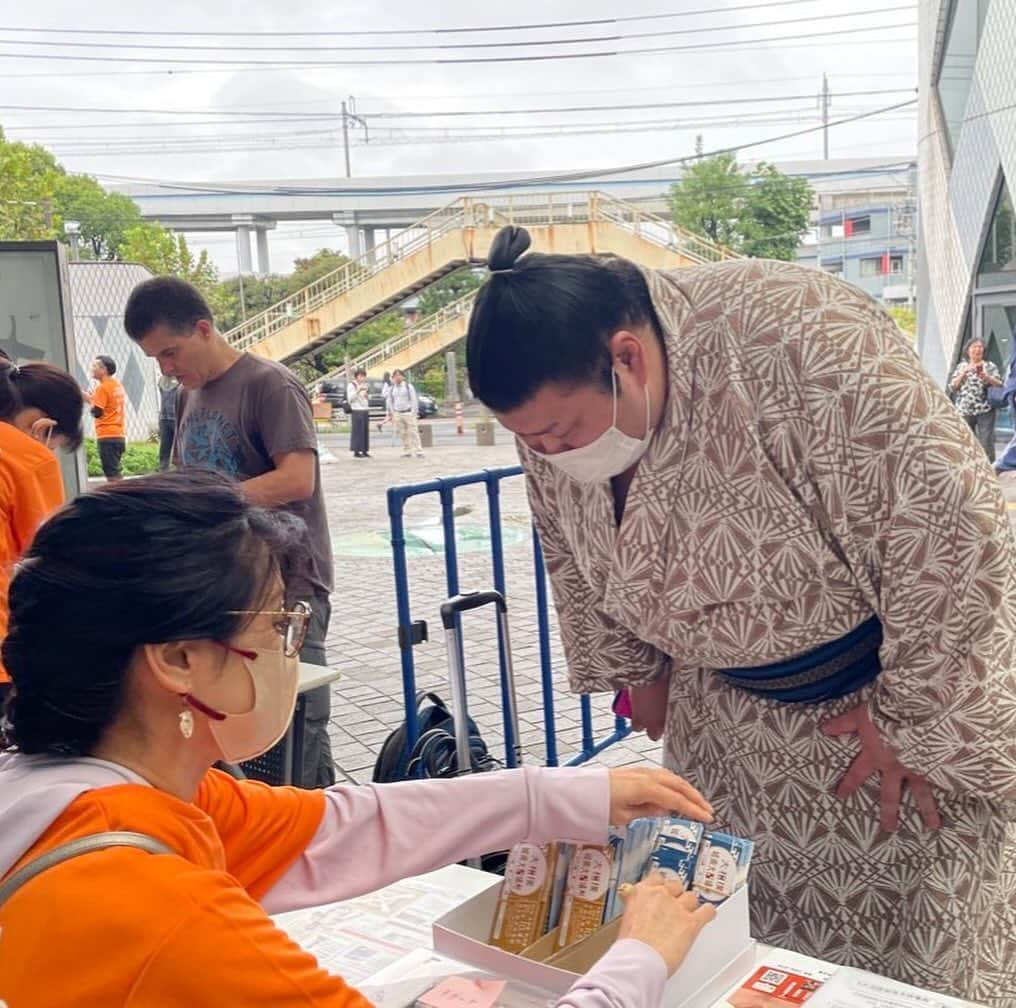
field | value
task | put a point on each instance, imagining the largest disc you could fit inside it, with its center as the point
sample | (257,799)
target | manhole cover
(424,541)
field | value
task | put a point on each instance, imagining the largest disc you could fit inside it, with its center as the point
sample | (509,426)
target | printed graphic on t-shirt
(208,439)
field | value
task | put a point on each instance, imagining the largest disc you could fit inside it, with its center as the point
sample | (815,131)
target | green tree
(905,319)
(778,213)
(306,271)
(710,199)
(28,180)
(449,289)
(259,293)
(104,217)
(164,251)
(761,212)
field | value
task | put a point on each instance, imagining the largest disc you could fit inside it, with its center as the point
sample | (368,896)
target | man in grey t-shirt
(250,418)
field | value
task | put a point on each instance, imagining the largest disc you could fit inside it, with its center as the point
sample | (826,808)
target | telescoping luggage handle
(451,609)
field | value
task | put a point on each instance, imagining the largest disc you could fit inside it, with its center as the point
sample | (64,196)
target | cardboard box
(723,954)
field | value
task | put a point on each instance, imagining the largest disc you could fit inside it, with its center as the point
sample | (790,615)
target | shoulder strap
(75,848)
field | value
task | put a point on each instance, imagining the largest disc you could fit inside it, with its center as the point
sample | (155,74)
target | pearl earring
(186,723)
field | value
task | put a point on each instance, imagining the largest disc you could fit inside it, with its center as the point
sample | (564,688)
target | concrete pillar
(370,241)
(451,376)
(243,260)
(353,239)
(262,240)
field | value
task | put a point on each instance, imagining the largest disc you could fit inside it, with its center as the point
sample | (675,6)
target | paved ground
(367,701)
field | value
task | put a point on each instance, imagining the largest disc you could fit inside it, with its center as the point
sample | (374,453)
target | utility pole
(825,117)
(349,114)
(345,137)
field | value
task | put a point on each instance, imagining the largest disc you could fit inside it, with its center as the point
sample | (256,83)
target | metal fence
(411,624)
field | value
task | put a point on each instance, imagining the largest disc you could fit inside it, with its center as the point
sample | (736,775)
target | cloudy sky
(170,102)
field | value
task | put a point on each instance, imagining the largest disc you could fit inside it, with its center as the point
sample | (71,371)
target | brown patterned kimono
(808,474)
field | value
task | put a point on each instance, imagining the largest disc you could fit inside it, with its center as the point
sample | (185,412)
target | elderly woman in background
(969,384)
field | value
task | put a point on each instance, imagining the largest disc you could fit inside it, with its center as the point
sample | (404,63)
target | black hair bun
(508,244)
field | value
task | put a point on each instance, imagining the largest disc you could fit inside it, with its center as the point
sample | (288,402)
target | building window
(833,265)
(857,225)
(998,257)
(896,265)
(871,266)
(956,72)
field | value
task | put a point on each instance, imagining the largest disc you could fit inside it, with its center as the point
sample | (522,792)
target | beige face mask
(275,678)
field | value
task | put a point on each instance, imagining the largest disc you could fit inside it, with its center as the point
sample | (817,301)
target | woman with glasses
(149,638)
(40,409)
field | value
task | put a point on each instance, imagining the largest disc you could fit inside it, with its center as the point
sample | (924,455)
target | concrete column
(262,240)
(243,260)
(451,376)
(353,239)
(370,241)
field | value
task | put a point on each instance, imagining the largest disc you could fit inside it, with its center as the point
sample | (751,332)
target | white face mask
(240,737)
(609,455)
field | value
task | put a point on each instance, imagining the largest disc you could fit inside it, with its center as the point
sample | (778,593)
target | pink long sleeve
(629,975)
(374,835)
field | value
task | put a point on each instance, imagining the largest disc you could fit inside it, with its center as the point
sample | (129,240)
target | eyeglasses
(291,624)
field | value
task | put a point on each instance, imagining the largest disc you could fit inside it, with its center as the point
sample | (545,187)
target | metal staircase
(455,236)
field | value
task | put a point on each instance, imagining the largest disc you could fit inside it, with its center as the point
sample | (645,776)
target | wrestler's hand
(649,707)
(876,757)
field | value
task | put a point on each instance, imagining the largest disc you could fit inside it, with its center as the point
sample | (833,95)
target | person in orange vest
(40,410)
(135,669)
(108,401)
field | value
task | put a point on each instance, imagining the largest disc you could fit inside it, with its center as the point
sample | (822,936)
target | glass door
(995,319)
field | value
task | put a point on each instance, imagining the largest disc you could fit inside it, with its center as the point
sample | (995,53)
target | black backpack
(434,753)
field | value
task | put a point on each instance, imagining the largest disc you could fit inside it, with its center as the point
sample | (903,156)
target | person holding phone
(969,384)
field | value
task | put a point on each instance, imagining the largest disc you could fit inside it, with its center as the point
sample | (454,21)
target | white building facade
(99,292)
(967,179)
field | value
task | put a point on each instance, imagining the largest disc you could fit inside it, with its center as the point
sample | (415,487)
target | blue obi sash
(830,671)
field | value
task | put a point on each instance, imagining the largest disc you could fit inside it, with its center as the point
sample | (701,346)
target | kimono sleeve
(602,655)
(904,492)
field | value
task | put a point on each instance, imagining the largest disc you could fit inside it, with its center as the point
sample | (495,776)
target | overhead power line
(588,22)
(453,46)
(460,188)
(733,49)
(459,60)
(269,116)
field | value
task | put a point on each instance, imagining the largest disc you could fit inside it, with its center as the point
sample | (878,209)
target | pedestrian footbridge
(458,235)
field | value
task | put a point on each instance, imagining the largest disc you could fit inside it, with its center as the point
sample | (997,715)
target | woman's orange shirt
(31,489)
(121,928)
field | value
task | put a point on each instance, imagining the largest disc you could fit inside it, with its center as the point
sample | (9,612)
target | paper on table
(850,988)
(401,983)
(462,992)
(781,979)
(358,937)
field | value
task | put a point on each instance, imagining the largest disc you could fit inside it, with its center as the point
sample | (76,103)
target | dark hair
(108,363)
(548,318)
(359,371)
(164,299)
(43,387)
(398,371)
(190,549)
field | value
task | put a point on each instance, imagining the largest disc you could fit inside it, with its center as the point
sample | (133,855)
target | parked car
(333,391)
(427,406)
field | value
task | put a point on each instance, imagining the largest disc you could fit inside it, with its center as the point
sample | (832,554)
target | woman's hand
(645,791)
(876,757)
(649,707)
(663,916)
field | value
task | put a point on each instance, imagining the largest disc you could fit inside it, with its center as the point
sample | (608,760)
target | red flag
(885,264)
(848,228)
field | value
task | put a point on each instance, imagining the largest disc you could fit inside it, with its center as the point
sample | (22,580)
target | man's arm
(292,479)
(414,402)
(290,439)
